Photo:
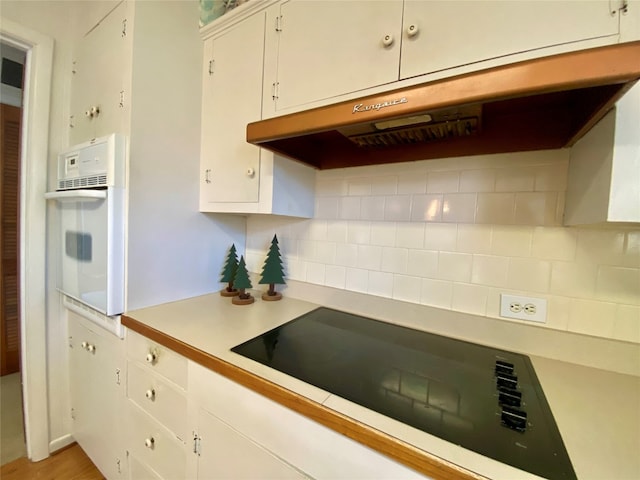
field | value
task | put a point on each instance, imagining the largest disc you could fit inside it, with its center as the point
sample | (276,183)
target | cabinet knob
(250,172)
(91,348)
(387,40)
(84,345)
(412,30)
(150,394)
(149,442)
(151,357)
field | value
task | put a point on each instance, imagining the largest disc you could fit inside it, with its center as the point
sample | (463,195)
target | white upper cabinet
(318,50)
(101,72)
(231,94)
(235,176)
(437,35)
(329,48)
(604,168)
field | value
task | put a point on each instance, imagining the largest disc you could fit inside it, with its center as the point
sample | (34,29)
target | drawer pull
(412,30)
(149,442)
(151,357)
(150,394)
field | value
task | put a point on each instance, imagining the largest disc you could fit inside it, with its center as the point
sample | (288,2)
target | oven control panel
(93,164)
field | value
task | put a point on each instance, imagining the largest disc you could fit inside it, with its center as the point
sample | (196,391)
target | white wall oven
(90,199)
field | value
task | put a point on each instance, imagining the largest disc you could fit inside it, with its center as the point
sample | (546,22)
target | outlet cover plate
(523,308)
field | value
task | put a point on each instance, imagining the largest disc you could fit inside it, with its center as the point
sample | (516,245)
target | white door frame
(33,177)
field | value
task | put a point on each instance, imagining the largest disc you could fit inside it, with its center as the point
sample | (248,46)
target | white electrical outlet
(523,308)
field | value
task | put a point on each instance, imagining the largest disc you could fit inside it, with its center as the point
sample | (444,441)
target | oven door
(91,253)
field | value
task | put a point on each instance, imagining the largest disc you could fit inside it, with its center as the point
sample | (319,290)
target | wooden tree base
(226,293)
(242,301)
(271,298)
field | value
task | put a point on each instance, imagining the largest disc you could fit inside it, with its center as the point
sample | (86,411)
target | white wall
(175,251)
(455,233)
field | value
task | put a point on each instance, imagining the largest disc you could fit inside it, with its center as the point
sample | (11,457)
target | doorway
(32,229)
(12,418)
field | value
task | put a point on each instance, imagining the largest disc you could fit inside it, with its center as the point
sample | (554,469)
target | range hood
(537,104)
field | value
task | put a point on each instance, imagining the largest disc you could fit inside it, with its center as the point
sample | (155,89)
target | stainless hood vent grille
(464,127)
(545,103)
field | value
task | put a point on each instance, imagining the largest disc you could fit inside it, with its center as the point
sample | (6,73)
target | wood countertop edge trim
(384,443)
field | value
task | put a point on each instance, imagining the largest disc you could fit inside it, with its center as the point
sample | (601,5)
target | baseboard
(60,443)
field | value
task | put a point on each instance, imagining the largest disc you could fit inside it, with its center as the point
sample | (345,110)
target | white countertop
(597,411)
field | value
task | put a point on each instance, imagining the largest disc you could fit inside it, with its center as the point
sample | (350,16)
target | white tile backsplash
(470,298)
(627,324)
(395,260)
(426,208)
(422,263)
(436,293)
(454,266)
(407,288)
(477,181)
(459,207)
(372,208)
(335,276)
(397,208)
(383,233)
(347,255)
(369,257)
(474,238)
(443,182)
(490,270)
(380,284)
(455,234)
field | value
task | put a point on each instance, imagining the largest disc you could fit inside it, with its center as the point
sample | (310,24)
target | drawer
(165,401)
(140,471)
(154,445)
(160,359)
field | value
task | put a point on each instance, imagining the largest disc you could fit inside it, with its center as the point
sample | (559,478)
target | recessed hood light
(537,104)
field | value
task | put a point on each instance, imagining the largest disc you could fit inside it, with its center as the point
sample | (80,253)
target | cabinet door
(96,379)
(232,97)
(334,48)
(225,453)
(101,67)
(442,34)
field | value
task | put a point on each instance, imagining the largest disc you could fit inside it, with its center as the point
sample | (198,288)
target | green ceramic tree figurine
(272,271)
(241,282)
(228,272)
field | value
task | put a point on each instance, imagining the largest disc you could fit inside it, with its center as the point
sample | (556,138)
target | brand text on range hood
(538,104)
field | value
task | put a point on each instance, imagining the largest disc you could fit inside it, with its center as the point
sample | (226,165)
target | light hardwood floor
(11,429)
(68,464)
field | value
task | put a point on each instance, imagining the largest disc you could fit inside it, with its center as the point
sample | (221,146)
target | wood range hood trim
(543,103)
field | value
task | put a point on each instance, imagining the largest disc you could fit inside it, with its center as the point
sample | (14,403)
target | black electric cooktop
(481,398)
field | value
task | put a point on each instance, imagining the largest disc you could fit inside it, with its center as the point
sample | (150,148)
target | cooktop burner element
(483,399)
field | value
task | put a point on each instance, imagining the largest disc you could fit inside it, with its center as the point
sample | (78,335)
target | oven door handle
(76,195)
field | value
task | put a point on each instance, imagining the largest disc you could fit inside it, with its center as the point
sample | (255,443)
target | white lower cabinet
(256,430)
(96,375)
(224,453)
(158,434)
(185,421)
(140,471)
